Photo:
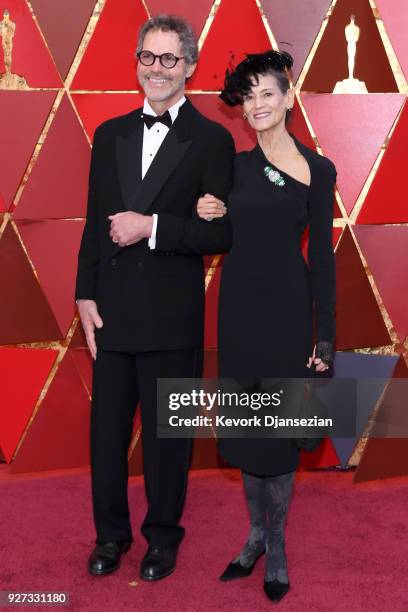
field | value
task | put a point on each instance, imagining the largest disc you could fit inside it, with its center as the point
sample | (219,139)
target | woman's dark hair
(239,81)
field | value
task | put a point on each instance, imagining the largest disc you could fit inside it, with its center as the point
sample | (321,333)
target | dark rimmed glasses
(167,60)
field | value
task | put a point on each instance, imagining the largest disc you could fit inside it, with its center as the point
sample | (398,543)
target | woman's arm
(321,259)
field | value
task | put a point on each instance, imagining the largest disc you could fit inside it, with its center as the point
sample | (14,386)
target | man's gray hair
(172,23)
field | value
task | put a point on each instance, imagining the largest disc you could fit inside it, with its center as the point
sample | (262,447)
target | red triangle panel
(387,198)
(109,60)
(78,338)
(58,183)
(59,435)
(83,363)
(295,35)
(233,33)
(351,130)
(324,456)
(385,249)
(63,29)
(394,14)
(358,319)
(30,56)
(383,458)
(53,247)
(20,131)
(94,109)
(24,372)
(329,64)
(195,13)
(25,315)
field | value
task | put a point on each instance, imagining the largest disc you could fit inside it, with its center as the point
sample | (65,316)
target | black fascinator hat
(238,81)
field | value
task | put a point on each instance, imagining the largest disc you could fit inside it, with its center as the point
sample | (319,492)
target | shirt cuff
(152,239)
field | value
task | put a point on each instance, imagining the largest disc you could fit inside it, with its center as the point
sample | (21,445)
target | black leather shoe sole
(236,570)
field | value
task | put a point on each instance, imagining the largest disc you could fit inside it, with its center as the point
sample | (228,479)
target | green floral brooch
(274,176)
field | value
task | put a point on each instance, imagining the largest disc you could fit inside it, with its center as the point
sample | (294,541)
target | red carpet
(347,546)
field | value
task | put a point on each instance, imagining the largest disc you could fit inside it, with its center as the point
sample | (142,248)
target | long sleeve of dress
(320,252)
(195,235)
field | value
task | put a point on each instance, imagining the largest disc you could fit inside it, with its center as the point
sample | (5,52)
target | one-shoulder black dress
(265,305)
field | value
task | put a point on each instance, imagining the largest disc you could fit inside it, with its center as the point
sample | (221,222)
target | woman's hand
(209,207)
(322,356)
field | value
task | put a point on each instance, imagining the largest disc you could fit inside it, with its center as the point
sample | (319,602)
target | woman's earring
(244,115)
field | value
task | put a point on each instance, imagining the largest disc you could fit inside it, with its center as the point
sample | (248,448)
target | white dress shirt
(152,141)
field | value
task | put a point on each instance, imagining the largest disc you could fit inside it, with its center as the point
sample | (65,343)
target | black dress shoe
(105,558)
(236,570)
(158,563)
(276,590)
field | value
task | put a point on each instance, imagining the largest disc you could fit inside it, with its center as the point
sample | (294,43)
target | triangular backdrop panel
(324,456)
(94,109)
(30,367)
(329,64)
(109,61)
(355,365)
(395,17)
(63,29)
(385,249)
(212,107)
(57,273)
(83,363)
(391,419)
(195,12)
(20,131)
(78,338)
(387,198)
(359,322)
(351,130)
(296,36)
(25,315)
(59,435)
(385,457)
(30,56)
(58,183)
(233,33)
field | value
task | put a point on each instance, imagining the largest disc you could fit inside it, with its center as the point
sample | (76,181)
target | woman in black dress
(270,299)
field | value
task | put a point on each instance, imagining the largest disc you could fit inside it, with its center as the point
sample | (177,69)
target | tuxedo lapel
(139,194)
(172,150)
(165,162)
(129,158)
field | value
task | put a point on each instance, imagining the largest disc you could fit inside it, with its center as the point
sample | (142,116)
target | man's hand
(90,319)
(130,227)
(209,207)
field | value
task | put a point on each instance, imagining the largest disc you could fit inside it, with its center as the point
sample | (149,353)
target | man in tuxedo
(140,287)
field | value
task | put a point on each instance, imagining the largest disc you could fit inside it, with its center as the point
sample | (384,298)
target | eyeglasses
(167,60)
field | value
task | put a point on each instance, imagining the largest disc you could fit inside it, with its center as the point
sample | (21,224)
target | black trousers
(120,381)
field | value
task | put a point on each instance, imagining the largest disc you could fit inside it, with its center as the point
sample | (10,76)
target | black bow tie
(152,119)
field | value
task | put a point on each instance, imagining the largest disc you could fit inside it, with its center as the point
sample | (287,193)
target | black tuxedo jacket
(154,299)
